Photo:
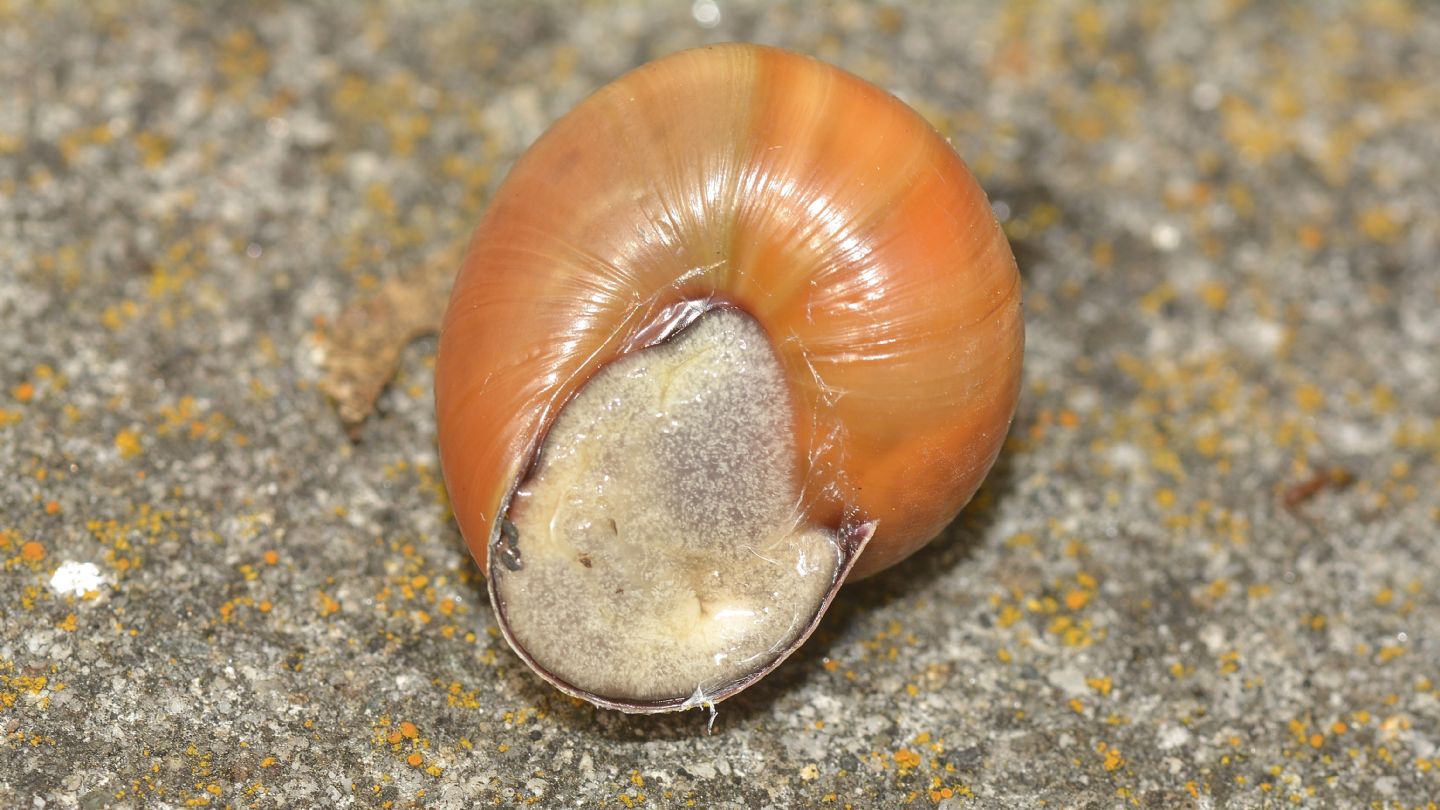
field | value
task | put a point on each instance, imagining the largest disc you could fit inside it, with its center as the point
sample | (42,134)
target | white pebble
(76,578)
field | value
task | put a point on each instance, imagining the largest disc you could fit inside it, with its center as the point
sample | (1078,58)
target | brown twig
(362,347)
(1327,478)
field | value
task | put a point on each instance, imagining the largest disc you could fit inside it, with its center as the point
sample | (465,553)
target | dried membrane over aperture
(661,543)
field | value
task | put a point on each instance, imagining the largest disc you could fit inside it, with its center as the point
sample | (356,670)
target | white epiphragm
(659,545)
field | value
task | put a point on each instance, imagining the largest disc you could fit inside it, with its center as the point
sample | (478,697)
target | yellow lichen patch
(1229,662)
(34,689)
(1111,758)
(187,418)
(1309,398)
(459,697)
(128,443)
(1379,225)
(1215,295)
(1390,652)
(144,526)
(115,316)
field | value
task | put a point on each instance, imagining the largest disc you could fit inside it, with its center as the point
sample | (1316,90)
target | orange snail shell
(751,178)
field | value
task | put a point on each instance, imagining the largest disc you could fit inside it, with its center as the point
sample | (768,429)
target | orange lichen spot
(1317,740)
(1101,685)
(636,779)
(906,759)
(52,507)
(1076,706)
(409,730)
(128,443)
(24,392)
(328,605)
(272,557)
(68,623)
(415,759)
(1077,599)
(268,762)
(1385,596)
(32,551)
(1004,655)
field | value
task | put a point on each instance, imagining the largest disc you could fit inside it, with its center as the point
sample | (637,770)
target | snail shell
(737,328)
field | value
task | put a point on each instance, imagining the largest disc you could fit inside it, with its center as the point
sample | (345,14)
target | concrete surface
(1167,595)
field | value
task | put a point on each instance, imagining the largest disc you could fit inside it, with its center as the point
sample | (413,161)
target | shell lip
(664,325)
(853,536)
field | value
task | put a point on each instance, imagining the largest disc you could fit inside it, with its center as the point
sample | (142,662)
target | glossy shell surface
(755,178)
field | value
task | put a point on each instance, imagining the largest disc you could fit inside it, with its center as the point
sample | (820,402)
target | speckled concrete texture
(1204,573)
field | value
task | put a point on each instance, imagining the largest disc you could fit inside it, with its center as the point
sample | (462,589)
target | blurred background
(1204,573)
